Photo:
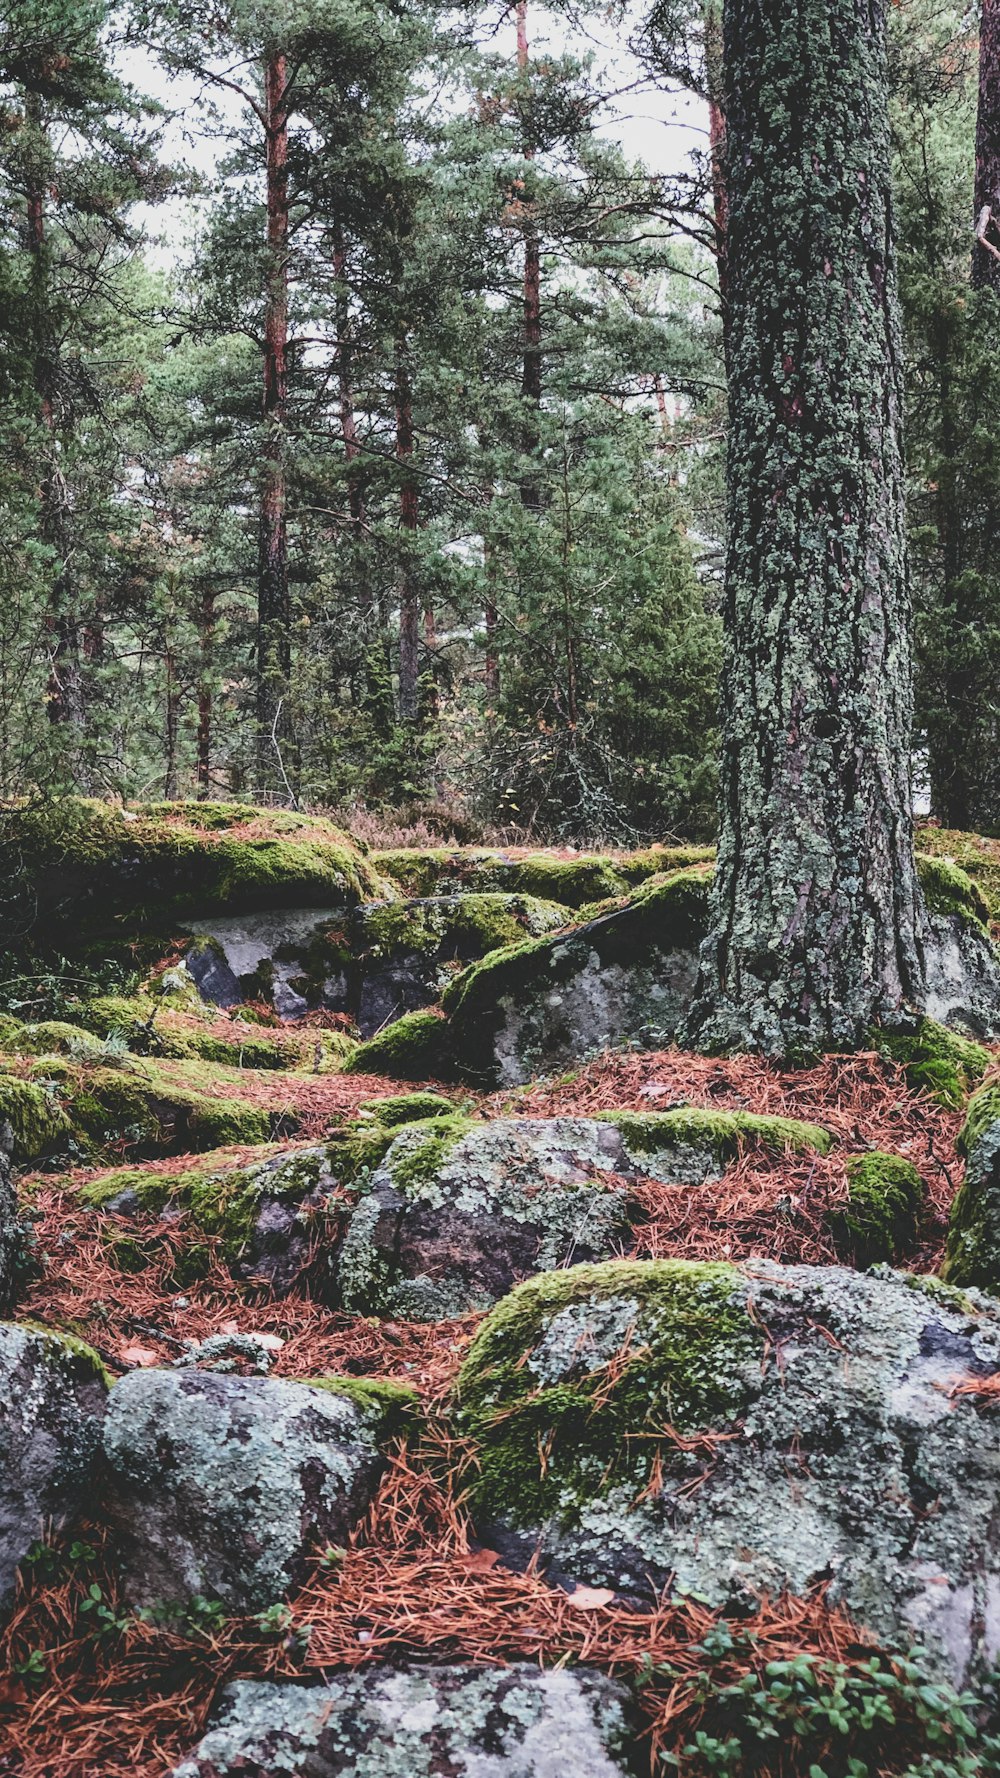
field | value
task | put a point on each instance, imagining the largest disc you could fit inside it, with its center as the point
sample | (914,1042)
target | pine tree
(818,924)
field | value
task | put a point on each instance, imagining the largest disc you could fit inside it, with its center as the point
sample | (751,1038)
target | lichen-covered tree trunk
(818,927)
(986,251)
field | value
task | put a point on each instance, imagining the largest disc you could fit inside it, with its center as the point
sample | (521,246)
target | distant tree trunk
(273,611)
(206,637)
(409,516)
(348,420)
(714,75)
(818,924)
(531,376)
(65,694)
(171,705)
(950,766)
(986,252)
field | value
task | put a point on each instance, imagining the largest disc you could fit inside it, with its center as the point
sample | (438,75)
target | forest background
(372,455)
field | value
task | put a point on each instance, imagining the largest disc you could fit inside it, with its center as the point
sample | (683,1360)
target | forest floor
(94,1691)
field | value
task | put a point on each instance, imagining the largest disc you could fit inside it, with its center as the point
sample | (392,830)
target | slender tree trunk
(951,767)
(986,252)
(273,611)
(171,719)
(409,515)
(531,376)
(714,76)
(348,419)
(206,628)
(818,925)
(65,694)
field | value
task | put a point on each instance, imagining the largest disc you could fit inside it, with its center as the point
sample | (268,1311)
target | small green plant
(104,1620)
(185,1617)
(275,1621)
(34,1665)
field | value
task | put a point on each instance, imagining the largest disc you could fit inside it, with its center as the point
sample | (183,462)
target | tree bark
(531,375)
(273,611)
(986,251)
(206,639)
(65,694)
(714,75)
(409,518)
(348,418)
(818,927)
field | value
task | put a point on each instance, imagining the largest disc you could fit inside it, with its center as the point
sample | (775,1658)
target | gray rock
(458,1214)
(52,1400)
(963,976)
(421,1722)
(847,1457)
(222,1485)
(11,1233)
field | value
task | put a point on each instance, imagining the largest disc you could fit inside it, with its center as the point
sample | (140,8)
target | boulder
(221,1486)
(459,1212)
(421,1722)
(374,962)
(53,1392)
(743,1430)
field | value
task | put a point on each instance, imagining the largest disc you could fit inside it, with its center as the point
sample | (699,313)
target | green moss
(885,1199)
(60,1345)
(972,1256)
(37,1119)
(669,916)
(423,1148)
(725,1132)
(139,1105)
(413,1048)
(85,872)
(438,871)
(976,855)
(407,1108)
(54,1037)
(395,1406)
(950,890)
(936,1060)
(465,926)
(633,1347)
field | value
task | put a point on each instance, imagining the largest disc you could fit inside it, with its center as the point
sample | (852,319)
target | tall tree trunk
(986,252)
(818,925)
(409,516)
(65,694)
(206,639)
(951,768)
(714,76)
(348,419)
(273,611)
(531,375)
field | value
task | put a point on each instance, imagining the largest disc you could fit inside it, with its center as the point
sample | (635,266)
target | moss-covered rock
(973,1250)
(541,1005)
(458,1212)
(149,1027)
(221,1486)
(439,871)
(52,1401)
(406,1108)
(131,1104)
(975,854)
(936,1060)
(37,1121)
(421,1722)
(882,1216)
(744,1431)
(416,1047)
(84,871)
(948,889)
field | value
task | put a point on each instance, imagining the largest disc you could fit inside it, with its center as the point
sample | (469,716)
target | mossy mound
(134,1105)
(936,1060)
(975,855)
(83,871)
(948,889)
(725,1133)
(570,1381)
(885,1198)
(461,926)
(406,1108)
(573,882)
(415,1047)
(38,1121)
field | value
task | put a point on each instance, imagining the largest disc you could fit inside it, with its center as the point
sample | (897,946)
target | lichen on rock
(421,1722)
(221,1486)
(458,1212)
(745,1430)
(52,1400)
(973,1251)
